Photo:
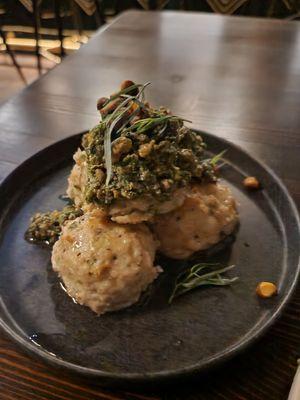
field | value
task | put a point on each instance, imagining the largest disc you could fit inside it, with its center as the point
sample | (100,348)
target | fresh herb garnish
(144,125)
(123,92)
(214,160)
(112,121)
(198,276)
(107,138)
(157,148)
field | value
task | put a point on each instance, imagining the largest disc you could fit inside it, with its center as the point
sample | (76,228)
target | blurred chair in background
(36,26)
(12,56)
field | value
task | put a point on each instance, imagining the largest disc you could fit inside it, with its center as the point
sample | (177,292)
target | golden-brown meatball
(122,211)
(103,265)
(207,214)
(144,208)
(78,179)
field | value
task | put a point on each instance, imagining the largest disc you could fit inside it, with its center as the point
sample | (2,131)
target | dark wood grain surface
(235,77)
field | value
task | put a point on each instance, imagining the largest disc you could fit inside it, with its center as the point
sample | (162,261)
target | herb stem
(192,279)
(114,119)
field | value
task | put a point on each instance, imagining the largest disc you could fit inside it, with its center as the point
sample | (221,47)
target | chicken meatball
(207,215)
(78,179)
(122,211)
(143,209)
(103,265)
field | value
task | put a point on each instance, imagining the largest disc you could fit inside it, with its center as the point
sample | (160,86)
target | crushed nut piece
(145,149)
(120,146)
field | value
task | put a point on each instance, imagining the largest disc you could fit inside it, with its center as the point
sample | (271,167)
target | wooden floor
(10,82)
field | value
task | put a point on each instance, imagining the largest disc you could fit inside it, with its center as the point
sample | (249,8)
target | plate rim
(165,375)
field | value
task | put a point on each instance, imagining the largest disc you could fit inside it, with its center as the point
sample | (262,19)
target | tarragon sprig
(215,159)
(123,92)
(195,277)
(145,124)
(112,121)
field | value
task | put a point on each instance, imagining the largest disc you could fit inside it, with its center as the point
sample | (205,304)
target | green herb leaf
(214,160)
(145,124)
(107,142)
(195,277)
(121,92)
(113,120)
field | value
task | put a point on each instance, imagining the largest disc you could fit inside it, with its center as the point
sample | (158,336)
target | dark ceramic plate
(151,341)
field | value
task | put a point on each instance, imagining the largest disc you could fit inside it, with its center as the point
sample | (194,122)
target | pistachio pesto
(135,151)
(152,153)
(46,227)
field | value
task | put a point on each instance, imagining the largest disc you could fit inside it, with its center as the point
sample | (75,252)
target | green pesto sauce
(46,227)
(156,161)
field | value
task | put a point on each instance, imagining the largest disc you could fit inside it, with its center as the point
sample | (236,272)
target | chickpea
(251,183)
(266,289)
(101,102)
(126,84)
(110,107)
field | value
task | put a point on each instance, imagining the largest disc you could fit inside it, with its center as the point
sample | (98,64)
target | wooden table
(235,77)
